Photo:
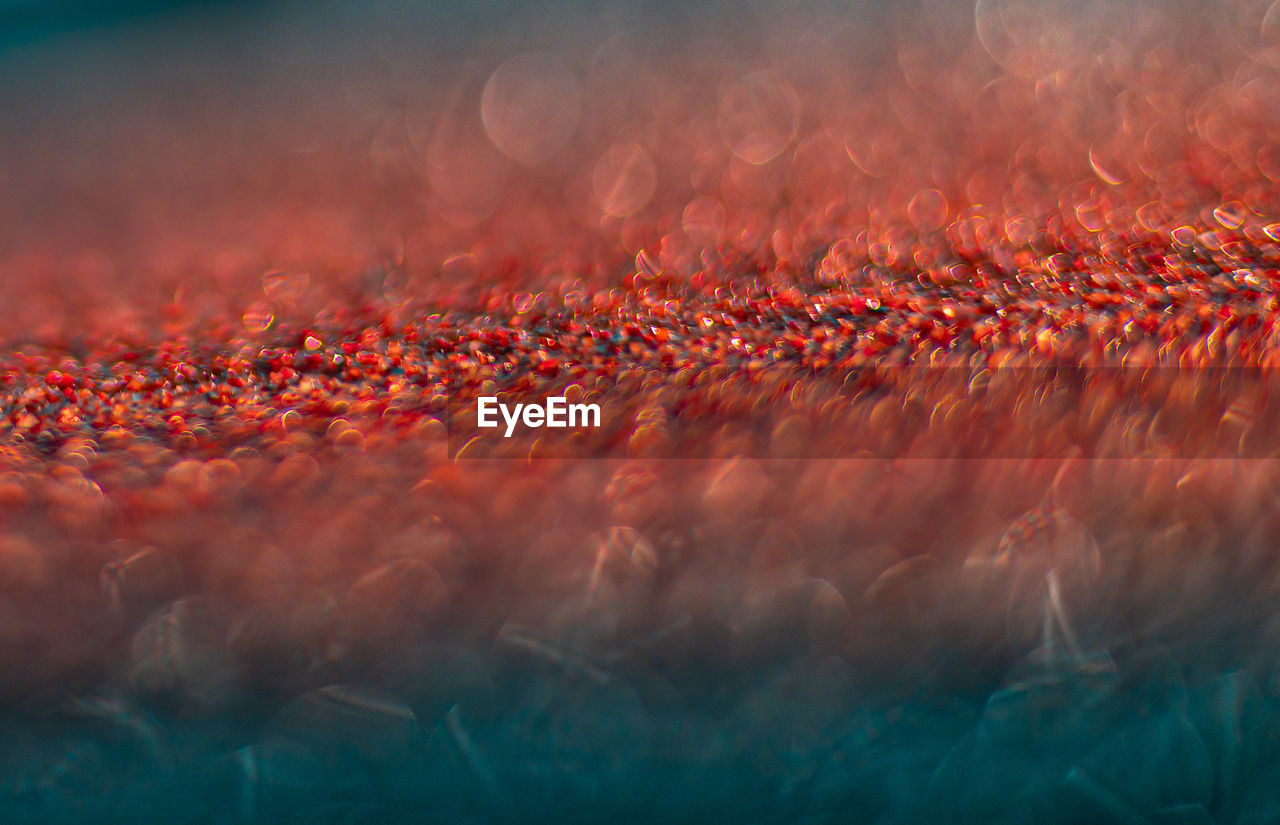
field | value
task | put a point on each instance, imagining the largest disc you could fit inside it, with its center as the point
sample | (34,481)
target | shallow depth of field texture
(939,478)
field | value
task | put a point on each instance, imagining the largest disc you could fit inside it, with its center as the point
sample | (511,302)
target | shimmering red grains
(268,400)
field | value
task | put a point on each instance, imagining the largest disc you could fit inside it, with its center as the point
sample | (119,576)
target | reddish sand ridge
(249,307)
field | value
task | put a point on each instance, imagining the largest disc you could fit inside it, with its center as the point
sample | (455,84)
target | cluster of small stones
(713,345)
